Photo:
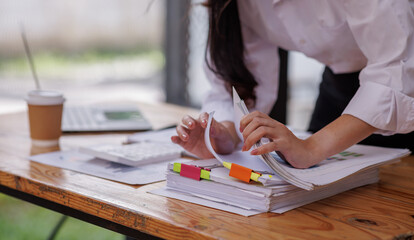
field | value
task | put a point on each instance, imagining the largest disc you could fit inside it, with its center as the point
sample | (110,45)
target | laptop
(103,119)
(95,118)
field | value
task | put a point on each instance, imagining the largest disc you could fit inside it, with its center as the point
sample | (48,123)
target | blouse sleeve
(262,60)
(384,32)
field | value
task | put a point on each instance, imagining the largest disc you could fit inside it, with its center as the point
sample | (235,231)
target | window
(92,50)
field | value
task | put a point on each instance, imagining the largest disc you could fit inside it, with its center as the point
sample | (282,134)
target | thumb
(216,129)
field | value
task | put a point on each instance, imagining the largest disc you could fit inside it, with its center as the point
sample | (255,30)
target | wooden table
(378,211)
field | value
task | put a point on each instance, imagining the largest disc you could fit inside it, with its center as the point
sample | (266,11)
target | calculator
(135,154)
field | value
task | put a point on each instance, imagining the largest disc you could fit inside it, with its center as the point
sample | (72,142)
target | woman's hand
(257,125)
(191,136)
(337,136)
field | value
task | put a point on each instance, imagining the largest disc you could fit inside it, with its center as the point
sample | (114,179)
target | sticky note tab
(205,174)
(190,171)
(240,172)
(177,167)
(255,176)
(227,165)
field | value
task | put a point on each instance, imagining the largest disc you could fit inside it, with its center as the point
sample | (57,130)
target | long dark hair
(225,45)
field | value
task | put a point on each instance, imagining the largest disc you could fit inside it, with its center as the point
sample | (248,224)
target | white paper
(238,113)
(160,136)
(204,202)
(87,164)
(154,136)
(279,202)
(329,171)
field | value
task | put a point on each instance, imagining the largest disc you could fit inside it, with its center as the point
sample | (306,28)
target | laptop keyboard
(79,118)
(86,118)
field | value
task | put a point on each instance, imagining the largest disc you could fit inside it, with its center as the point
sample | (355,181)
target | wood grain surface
(378,211)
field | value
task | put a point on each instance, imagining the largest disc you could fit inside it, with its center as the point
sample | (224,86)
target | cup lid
(44,97)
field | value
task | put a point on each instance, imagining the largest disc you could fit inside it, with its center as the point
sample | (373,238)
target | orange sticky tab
(240,172)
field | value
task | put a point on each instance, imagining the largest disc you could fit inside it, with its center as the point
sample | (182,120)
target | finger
(248,118)
(203,118)
(266,148)
(176,140)
(215,128)
(183,133)
(255,136)
(188,122)
(256,123)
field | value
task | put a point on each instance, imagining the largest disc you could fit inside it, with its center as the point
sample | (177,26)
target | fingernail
(254,152)
(203,121)
(190,123)
(184,135)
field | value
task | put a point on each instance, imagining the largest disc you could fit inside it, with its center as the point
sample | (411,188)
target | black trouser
(335,92)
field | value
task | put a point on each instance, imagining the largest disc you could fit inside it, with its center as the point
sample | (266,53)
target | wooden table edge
(133,229)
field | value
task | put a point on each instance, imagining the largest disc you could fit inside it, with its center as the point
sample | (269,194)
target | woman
(367,86)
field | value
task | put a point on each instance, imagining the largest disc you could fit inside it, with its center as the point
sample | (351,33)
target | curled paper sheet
(207,138)
(239,112)
(238,157)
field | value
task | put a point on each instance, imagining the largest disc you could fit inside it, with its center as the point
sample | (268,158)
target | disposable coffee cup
(45,117)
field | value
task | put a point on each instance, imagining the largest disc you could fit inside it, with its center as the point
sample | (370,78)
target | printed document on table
(83,163)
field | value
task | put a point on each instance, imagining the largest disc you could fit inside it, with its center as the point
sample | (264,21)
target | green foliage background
(21,220)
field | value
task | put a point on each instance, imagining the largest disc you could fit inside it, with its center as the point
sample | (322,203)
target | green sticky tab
(205,174)
(177,167)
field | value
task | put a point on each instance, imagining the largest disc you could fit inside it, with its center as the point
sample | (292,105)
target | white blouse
(348,35)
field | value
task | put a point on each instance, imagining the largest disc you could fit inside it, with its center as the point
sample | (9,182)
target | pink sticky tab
(190,171)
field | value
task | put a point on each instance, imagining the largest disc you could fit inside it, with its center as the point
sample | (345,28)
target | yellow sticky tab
(177,167)
(205,174)
(227,165)
(255,176)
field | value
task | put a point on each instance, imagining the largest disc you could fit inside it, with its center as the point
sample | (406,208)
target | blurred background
(110,50)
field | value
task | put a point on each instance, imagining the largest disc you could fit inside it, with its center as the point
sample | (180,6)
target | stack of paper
(280,187)
(337,174)
(254,196)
